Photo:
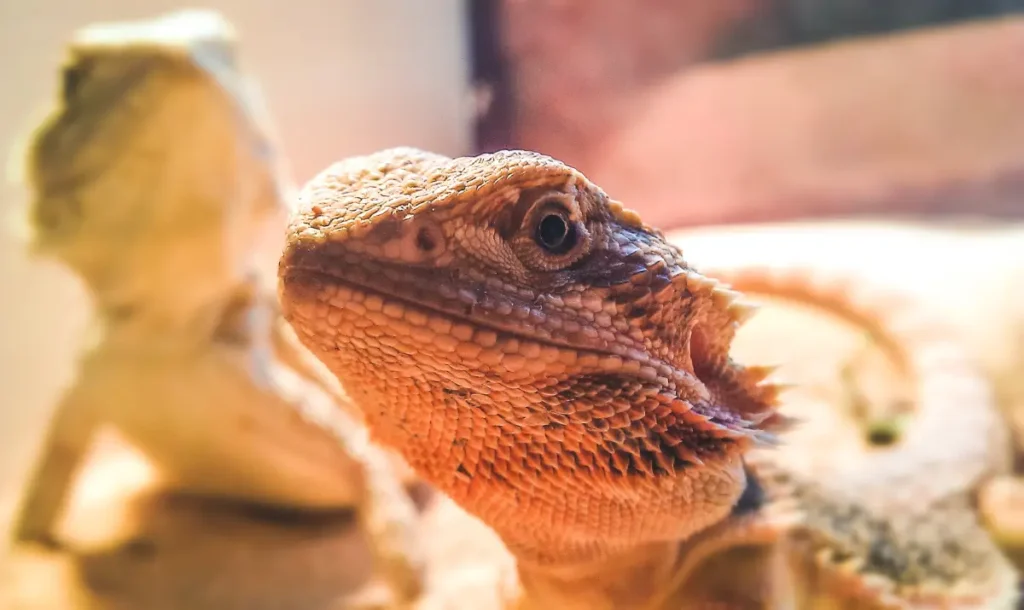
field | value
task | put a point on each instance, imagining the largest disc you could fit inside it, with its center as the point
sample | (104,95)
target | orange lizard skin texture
(557,368)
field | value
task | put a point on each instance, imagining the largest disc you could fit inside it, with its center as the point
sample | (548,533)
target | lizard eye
(555,232)
(552,234)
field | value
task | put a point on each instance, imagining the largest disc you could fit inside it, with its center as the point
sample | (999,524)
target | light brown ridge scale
(543,358)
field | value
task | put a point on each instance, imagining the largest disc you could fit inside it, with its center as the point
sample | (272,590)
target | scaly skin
(895,527)
(556,368)
(150,181)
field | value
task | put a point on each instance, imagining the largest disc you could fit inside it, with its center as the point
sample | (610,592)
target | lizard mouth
(490,317)
(307,286)
(720,410)
(296,280)
(410,311)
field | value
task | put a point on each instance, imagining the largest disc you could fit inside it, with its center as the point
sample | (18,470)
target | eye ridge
(555,233)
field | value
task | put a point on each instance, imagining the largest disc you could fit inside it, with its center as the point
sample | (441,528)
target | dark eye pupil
(555,234)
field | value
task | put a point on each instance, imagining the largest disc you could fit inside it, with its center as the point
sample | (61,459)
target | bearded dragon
(151,181)
(557,368)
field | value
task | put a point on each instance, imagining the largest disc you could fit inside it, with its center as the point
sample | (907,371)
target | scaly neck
(625,580)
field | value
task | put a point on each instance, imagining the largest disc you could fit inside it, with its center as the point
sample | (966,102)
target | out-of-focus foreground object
(153,181)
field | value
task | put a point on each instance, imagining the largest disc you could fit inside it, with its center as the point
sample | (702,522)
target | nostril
(421,241)
(426,241)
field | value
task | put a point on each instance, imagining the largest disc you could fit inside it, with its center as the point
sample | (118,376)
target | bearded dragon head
(156,166)
(528,344)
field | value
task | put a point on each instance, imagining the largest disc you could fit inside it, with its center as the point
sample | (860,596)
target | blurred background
(695,113)
(749,110)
